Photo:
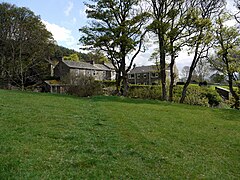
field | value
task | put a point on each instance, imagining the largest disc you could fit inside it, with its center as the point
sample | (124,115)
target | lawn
(47,136)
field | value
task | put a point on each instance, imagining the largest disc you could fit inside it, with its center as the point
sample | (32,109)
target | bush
(82,86)
(196,95)
(109,83)
(180,83)
(145,91)
(214,99)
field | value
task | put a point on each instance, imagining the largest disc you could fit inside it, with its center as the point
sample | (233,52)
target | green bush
(109,83)
(197,95)
(214,99)
(145,91)
(83,86)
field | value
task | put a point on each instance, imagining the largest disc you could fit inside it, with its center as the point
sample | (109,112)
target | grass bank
(46,136)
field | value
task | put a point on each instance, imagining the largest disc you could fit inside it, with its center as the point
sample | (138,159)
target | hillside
(47,136)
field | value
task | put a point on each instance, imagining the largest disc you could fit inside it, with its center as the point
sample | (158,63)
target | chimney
(91,62)
(61,59)
(134,65)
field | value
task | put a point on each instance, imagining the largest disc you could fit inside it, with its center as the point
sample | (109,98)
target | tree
(72,57)
(217,78)
(160,27)
(237,4)
(185,72)
(199,26)
(169,25)
(116,29)
(227,53)
(97,57)
(24,45)
(202,69)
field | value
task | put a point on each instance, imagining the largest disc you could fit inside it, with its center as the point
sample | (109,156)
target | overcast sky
(63,18)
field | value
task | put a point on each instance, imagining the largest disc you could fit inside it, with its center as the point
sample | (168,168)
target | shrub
(82,86)
(196,95)
(180,83)
(214,99)
(145,91)
(109,83)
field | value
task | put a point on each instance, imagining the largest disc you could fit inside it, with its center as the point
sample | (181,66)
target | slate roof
(109,65)
(102,67)
(145,69)
(79,65)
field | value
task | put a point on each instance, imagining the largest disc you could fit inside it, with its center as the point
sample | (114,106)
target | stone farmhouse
(148,75)
(100,72)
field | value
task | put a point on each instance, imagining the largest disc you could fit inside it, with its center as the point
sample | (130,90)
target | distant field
(47,136)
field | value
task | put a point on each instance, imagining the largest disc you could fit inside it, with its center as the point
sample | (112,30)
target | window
(94,73)
(138,76)
(145,75)
(131,76)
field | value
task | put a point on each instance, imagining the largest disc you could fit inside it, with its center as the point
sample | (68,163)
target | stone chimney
(91,62)
(134,65)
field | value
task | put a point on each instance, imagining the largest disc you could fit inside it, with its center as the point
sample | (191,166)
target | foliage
(108,83)
(97,57)
(94,56)
(116,29)
(196,95)
(169,27)
(24,45)
(60,51)
(82,86)
(226,58)
(202,69)
(72,57)
(62,137)
(217,78)
(199,24)
(145,92)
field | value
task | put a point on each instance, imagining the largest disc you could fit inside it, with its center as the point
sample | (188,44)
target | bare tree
(185,72)
(203,69)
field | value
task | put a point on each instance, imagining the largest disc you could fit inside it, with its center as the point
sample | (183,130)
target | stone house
(148,75)
(112,72)
(53,86)
(98,71)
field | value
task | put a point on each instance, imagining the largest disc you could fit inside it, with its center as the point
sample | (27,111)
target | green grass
(46,136)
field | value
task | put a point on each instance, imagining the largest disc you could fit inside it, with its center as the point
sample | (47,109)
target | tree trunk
(172,77)
(192,67)
(184,91)
(234,94)
(125,83)
(118,83)
(21,68)
(162,65)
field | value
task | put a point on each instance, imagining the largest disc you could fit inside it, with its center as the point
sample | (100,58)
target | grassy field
(46,136)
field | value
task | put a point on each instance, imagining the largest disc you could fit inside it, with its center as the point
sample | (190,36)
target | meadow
(50,136)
